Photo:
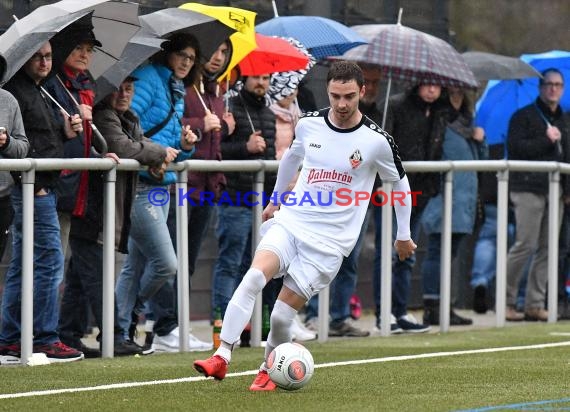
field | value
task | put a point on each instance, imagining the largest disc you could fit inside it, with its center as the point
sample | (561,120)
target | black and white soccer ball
(290,366)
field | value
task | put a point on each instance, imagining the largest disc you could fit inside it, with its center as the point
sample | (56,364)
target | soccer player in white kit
(318,223)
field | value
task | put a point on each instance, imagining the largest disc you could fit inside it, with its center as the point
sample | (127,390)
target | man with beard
(46,138)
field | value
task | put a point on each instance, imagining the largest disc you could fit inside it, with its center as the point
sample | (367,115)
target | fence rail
(28,167)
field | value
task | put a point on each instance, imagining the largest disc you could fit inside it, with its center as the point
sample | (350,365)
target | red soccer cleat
(262,382)
(214,366)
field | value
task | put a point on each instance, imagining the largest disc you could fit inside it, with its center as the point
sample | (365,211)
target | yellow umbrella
(243,40)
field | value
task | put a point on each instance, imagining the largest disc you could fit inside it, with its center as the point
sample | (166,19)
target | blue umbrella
(323,37)
(502,98)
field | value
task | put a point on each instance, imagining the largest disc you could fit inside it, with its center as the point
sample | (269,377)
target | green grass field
(392,379)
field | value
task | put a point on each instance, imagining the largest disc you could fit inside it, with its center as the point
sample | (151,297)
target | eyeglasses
(39,57)
(553,85)
(184,56)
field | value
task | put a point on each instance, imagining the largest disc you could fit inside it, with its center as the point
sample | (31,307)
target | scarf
(177,88)
(83,86)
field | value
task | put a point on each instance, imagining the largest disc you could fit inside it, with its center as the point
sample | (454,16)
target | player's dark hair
(345,71)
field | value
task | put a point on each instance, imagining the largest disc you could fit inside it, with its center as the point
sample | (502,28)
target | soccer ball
(290,366)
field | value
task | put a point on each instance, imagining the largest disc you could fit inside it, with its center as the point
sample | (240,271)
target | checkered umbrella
(412,56)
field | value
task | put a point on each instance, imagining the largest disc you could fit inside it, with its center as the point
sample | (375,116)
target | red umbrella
(273,54)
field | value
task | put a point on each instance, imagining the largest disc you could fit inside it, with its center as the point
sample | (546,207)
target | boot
(431,312)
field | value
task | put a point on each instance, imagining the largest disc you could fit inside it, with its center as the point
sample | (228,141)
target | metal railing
(28,167)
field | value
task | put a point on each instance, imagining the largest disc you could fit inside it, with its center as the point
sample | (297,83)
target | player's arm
(288,168)
(404,244)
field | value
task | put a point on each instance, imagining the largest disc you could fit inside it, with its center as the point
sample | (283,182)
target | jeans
(48,272)
(401,270)
(485,253)
(431,268)
(234,235)
(343,285)
(151,263)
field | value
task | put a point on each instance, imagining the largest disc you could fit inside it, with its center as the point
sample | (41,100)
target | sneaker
(197,345)
(59,352)
(299,333)
(394,327)
(409,324)
(431,317)
(214,366)
(127,348)
(88,352)
(456,320)
(10,354)
(347,329)
(480,299)
(513,315)
(355,307)
(171,343)
(262,382)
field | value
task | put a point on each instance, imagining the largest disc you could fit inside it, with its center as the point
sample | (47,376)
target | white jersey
(327,204)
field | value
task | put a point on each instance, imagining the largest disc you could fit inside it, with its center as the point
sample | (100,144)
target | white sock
(240,308)
(224,351)
(281,320)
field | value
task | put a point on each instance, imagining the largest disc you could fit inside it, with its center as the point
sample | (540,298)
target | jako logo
(318,146)
(280,363)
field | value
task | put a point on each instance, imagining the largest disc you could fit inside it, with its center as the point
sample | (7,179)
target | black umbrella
(209,31)
(490,66)
(142,46)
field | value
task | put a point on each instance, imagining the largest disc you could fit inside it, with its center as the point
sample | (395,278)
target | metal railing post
(182,275)
(107,344)
(553,232)
(27,309)
(445,281)
(386,263)
(502,243)
(258,187)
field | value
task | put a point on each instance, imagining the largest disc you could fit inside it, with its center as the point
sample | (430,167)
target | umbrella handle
(100,139)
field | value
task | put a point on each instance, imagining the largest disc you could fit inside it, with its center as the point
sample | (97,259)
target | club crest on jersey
(355,159)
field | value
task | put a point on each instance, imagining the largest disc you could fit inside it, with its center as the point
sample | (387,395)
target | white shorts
(307,266)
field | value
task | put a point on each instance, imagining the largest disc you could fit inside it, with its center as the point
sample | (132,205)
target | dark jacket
(124,136)
(456,130)
(407,122)
(234,145)
(45,135)
(209,148)
(73,185)
(527,140)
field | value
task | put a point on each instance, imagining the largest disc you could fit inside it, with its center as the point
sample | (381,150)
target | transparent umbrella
(113,23)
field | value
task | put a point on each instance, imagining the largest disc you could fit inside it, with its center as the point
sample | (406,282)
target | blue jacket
(152,102)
